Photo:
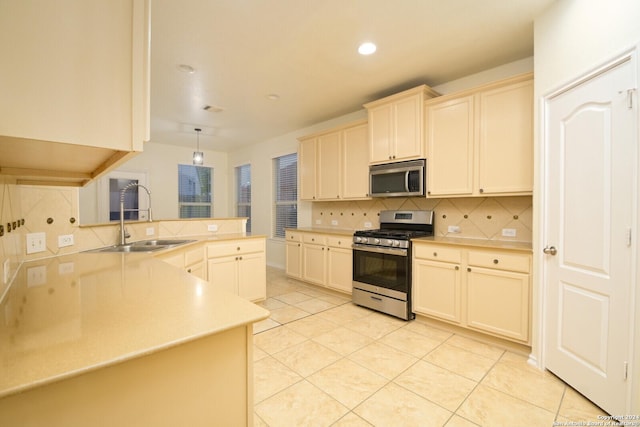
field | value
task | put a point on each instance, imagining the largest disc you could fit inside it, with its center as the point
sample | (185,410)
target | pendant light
(198,157)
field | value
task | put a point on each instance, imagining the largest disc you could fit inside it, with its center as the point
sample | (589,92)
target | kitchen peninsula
(123,339)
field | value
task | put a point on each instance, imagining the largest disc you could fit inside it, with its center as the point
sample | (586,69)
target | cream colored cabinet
(480,142)
(396,125)
(307,167)
(437,275)
(482,289)
(355,162)
(323,259)
(190,259)
(314,258)
(239,266)
(75,102)
(293,254)
(333,164)
(498,293)
(339,263)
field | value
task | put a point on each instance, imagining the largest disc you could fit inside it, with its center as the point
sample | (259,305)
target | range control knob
(395,243)
(376,241)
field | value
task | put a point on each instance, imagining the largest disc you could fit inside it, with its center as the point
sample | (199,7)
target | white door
(591,142)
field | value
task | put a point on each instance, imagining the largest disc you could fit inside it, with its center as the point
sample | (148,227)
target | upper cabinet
(333,164)
(75,87)
(396,127)
(480,142)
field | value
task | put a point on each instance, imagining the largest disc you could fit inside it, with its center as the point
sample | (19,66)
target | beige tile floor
(319,360)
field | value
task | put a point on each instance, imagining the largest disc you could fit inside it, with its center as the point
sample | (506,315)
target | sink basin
(160,242)
(143,246)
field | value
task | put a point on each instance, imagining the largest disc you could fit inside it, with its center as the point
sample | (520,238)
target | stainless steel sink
(143,246)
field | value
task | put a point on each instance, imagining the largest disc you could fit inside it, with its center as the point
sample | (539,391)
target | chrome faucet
(123,235)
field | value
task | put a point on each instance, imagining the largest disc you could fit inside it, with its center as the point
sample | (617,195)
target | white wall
(572,38)
(160,162)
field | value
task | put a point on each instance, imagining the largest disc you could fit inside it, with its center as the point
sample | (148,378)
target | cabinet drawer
(316,239)
(499,260)
(339,242)
(193,256)
(293,237)
(234,247)
(437,253)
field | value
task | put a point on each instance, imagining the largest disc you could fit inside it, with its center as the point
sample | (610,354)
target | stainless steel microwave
(399,179)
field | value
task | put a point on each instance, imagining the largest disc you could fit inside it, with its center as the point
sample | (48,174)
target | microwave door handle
(406,181)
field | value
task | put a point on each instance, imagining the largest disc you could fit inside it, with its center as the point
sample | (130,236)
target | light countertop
(67,315)
(479,243)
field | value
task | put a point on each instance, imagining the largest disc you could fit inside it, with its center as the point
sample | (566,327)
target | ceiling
(305,52)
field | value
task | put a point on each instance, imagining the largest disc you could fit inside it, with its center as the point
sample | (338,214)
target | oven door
(385,271)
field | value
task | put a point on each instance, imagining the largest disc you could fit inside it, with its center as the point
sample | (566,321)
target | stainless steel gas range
(382,261)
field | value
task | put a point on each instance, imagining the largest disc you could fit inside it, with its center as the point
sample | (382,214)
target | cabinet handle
(481,190)
(469,269)
(188,270)
(328,249)
(338,196)
(435,254)
(236,258)
(298,244)
(313,240)
(238,248)
(240,258)
(457,267)
(495,261)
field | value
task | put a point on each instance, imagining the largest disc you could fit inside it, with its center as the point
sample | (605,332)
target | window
(243,193)
(286,193)
(194,191)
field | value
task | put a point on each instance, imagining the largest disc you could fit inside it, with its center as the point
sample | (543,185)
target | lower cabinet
(321,259)
(189,259)
(485,290)
(239,266)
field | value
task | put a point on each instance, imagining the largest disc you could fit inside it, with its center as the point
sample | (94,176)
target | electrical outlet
(150,231)
(65,240)
(212,227)
(509,232)
(36,242)
(37,276)
(453,229)
(334,222)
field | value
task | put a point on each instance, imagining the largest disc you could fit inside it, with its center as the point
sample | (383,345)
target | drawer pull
(495,261)
(457,267)
(238,248)
(469,269)
(435,254)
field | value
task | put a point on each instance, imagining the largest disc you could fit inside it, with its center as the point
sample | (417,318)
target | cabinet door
(78,73)
(294,259)
(223,271)
(498,302)
(355,164)
(436,290)
(328,166)
(252,283)
(198,270)
(408,142)
(506,139)
(307,168)
(340,269)
(313,263)
(450,144)
(380,133)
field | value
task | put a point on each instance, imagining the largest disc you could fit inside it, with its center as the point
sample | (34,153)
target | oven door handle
(378,250)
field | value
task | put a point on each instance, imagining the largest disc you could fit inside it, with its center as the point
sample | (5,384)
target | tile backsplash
(476,217)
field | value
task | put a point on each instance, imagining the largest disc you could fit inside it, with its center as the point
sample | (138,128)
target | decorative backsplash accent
(477,217)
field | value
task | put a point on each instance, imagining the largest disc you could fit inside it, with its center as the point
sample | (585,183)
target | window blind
(194,191)
(286,193)
(243,193)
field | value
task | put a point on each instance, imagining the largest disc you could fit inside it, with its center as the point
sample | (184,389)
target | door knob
(551,250)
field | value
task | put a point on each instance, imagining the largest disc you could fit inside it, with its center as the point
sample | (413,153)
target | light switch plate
(65,240)
(36,276)
(367,225)
(36,242)
(212,227)
(334,222)
(453,229)
(150,231)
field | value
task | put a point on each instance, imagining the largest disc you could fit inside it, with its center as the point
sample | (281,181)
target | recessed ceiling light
(185,68)
(273,96)
(367,48)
